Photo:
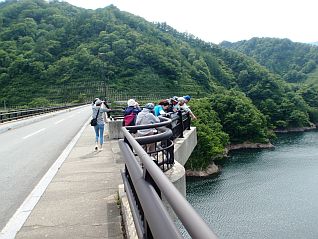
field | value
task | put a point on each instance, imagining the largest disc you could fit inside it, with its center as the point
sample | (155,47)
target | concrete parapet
(183,147)
(130,229)
(114,129)
(176,175)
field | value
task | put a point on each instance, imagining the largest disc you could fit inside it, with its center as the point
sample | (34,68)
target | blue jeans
(99,132)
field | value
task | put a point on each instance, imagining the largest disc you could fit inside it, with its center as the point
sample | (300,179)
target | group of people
(163,108)
(134,115)
(173,105)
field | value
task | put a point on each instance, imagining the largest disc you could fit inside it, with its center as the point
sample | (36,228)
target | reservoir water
(263,193)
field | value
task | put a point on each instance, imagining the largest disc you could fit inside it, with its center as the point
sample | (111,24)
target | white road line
(28,136)
(21,215)
(57,122)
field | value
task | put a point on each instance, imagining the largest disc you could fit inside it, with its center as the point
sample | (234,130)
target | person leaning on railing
(162,108)
(131,113)
(145,117)
(183,106)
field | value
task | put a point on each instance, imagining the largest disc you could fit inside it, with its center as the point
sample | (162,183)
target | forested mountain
(48,46)
(292,60)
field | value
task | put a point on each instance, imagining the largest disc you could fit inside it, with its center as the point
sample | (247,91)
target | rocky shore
(249,145)
(214,169)
(300,129)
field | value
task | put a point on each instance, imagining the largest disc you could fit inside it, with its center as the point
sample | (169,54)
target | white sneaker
(101,147)
(96,146)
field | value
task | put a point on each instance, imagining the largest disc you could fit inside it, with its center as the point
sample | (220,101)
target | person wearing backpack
(97,113)
(131,112)
(146,116)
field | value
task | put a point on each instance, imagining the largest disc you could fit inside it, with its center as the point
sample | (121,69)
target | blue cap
(187,97)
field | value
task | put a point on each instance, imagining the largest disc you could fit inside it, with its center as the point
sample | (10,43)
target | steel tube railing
(157,217)
(132,204)
(165,122)
(164,133)
(191,220)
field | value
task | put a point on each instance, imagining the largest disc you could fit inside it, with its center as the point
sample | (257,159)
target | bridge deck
(81,201)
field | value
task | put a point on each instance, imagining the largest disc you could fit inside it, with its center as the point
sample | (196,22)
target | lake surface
(263,193)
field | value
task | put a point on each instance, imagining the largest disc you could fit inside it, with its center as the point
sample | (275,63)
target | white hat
(181,99)
(98,102)
(131,102)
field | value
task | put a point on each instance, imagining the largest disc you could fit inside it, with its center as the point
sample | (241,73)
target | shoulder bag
(94,120)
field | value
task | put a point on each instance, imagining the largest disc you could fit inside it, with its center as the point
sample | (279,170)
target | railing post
(189,121)
(127,142)
(152,182)
(181,123)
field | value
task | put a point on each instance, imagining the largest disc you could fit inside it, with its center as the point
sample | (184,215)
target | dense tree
(55,51)
(241,120)
(282,56)
(212,140)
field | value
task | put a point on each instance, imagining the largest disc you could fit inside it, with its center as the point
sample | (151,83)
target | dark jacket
(130,109)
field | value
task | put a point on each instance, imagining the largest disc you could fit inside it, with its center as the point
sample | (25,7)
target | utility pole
(4,105)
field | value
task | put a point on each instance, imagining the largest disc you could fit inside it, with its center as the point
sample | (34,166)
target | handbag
(94,120)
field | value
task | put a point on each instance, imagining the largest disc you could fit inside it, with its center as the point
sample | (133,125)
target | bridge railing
(171,127)
(18,114)
(180,122)
(145,184)
(163,153)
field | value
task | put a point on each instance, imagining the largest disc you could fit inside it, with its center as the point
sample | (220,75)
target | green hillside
(312,77)
(293,61)
(55,51)
(53,48)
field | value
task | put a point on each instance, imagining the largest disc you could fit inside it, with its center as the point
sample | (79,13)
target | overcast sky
(230,20)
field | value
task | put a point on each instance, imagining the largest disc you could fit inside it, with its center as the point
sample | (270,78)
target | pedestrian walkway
(82,200)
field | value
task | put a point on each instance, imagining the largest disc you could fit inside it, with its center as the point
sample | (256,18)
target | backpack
(129,120)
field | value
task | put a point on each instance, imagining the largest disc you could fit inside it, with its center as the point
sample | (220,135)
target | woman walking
(98,110)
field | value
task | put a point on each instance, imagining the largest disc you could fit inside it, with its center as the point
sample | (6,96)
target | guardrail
(14,115)
(163,154)
(145,183)
(179,121)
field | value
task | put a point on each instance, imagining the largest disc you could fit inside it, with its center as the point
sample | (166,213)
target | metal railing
(163,153)
(145,183)
(19,114)
(180,121)
(170,128)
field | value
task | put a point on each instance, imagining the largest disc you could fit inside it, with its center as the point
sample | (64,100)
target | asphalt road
(26,153)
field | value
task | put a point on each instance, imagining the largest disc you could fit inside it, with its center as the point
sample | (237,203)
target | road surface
(26,153)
